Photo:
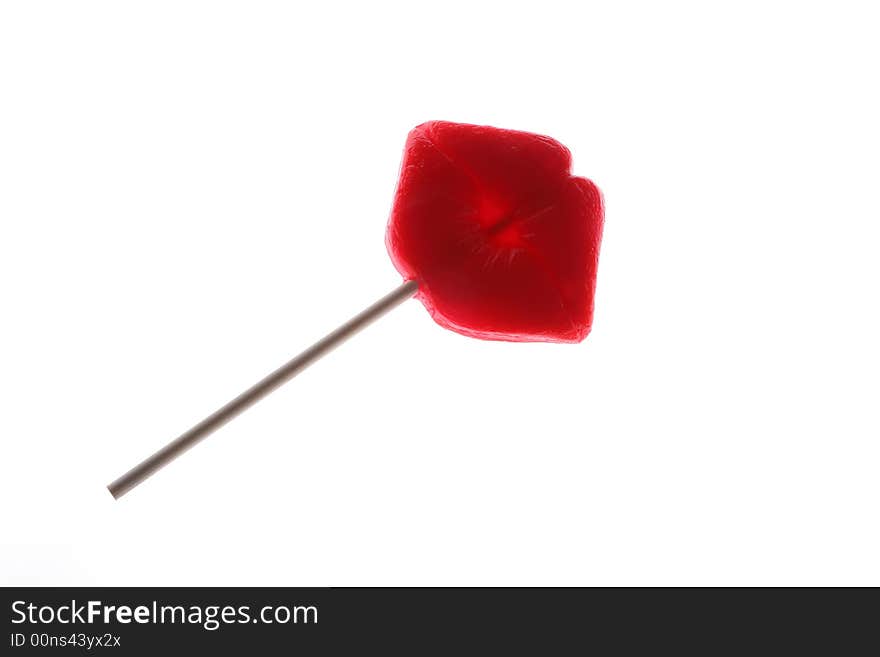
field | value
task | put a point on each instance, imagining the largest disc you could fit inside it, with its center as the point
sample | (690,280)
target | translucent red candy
(503,240)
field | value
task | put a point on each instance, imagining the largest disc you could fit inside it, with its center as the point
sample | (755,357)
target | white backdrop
(191,192)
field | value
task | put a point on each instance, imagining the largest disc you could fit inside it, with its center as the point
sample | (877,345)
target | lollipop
(489,230)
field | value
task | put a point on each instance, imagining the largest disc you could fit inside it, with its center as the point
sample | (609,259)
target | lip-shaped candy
(491,232)
(502,239)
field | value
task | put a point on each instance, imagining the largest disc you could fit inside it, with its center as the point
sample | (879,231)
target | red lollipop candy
(491,232)
(502,239)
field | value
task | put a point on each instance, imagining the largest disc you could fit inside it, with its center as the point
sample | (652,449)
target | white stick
(259,390)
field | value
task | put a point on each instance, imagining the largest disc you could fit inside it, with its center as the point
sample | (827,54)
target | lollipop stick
(259,390)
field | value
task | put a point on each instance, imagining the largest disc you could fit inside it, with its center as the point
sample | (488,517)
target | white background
(191,192)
